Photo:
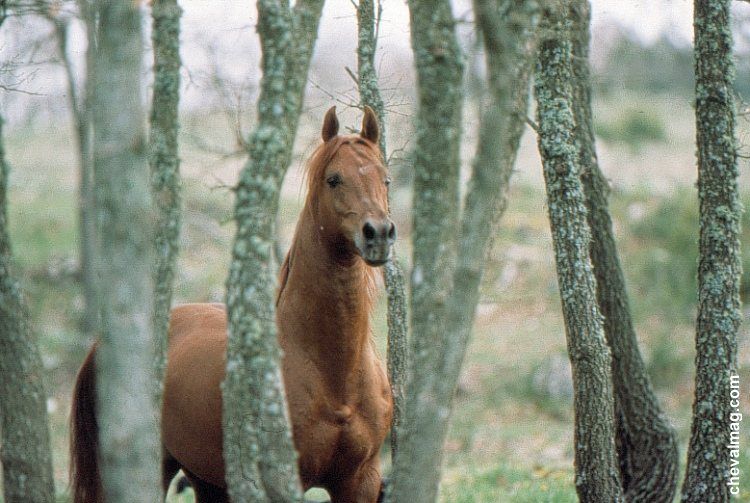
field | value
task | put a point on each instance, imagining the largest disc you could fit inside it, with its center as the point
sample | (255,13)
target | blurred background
(511,437)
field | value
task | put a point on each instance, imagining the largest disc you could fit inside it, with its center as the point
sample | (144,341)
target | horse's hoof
(182,484)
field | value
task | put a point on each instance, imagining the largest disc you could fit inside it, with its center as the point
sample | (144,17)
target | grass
(511,432)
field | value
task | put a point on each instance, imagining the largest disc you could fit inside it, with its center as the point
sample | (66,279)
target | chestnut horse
(337,391)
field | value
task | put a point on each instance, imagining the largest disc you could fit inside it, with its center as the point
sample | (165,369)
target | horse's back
(191,425)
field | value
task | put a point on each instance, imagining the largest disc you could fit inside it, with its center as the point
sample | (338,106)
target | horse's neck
(325,305)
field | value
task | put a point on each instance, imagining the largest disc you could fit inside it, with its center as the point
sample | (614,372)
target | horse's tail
(85,480)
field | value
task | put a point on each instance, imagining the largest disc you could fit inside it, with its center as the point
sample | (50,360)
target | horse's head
(349,192)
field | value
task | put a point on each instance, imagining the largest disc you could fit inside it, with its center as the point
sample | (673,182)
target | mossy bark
(646,444)
(25,443)
(164,162)
(398,328)
(719,316)
(449,254)
(597,474)
(261,463)
(126,377)
(439,65)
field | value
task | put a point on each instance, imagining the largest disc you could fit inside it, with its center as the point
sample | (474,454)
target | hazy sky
(218,36)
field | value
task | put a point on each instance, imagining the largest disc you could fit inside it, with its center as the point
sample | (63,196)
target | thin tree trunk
(646,444)
(80,112)
(25,444)
(126,377)
(261,463)
(596,470)
(446,275)
(165,162)
(369,93)
(709,461)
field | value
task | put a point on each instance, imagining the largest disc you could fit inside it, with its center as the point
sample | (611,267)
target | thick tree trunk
(597,474)
(709,460)
(25,445)
(439,66)
(369,94)
(646,444)
(165,162)
(261,464)
(446,274)
(126,377)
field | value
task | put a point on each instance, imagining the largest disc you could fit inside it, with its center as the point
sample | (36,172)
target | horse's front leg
(362,487)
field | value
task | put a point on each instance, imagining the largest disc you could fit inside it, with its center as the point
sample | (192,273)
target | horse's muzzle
(377,241)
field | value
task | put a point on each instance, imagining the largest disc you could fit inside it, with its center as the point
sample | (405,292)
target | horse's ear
(330,124)
(370,127)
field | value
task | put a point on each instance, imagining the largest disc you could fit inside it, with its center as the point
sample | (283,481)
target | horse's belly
(191,418)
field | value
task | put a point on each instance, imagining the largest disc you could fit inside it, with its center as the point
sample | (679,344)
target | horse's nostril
(391,231)
(368,231)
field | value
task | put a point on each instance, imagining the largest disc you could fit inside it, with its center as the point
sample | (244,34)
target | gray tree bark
(25,444)
(449,255)
(719,316)
(165,162)
(261,463)
(596,470)
(126,377)
(369,93)
(646,444)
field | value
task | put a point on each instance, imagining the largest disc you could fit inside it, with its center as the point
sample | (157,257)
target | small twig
(531,123)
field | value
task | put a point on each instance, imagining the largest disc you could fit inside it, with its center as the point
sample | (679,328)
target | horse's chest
(335,441)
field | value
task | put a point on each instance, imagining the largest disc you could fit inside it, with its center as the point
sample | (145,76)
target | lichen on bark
(719,315)
(165,162)
(449,252)
(597,475)
(260,460)
(25,443)
(126,381)
(646,444)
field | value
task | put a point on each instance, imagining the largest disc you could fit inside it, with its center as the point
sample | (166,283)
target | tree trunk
(126,377)
(438,61)
(596,470)
(80,111)
(709,460)
(646,444)
(165,162)
(446,275)
(261,464)
(25,445)
(369,93)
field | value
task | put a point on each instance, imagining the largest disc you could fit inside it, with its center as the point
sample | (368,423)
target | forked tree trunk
(25,444)
(261,463)
(126,378)
(165,162)
(709,461)
(448,257)
(646,444)
(369,94)
(596,470)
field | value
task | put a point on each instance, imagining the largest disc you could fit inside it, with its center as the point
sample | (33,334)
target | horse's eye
(387,182)
(334,180)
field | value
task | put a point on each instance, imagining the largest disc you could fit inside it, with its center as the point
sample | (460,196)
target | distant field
(511,435)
